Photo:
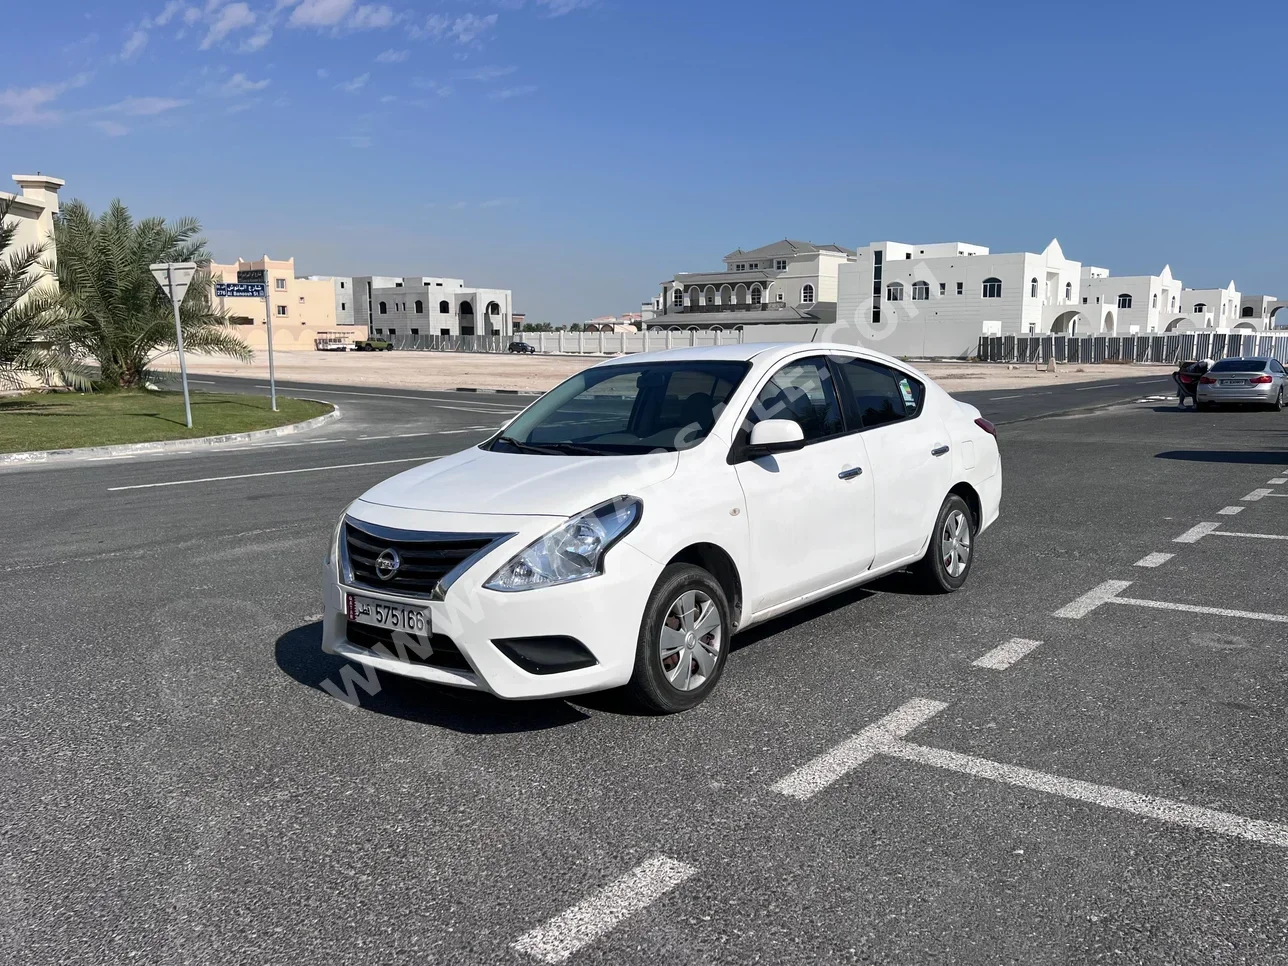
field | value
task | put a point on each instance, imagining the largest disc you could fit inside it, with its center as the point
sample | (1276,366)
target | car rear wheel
(1278,404)
(948,559)
(683,642)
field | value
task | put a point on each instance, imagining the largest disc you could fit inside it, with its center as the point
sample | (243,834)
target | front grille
(424,558)
(443,653)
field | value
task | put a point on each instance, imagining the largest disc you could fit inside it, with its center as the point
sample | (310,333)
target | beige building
(34,211)
(302,308)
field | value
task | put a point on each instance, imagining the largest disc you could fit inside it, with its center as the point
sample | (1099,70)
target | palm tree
(117,314)
(31,326)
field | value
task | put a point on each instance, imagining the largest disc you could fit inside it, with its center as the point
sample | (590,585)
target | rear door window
(878,394)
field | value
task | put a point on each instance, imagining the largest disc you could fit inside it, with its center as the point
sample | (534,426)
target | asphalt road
(178,787)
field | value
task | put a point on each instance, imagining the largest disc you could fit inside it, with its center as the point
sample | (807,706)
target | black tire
(1278,404)
(932,573)
(650,686)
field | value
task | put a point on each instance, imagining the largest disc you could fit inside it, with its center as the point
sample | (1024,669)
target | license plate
(394,617)
(1234,382)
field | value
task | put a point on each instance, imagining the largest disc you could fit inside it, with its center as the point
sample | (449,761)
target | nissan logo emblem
(387,564)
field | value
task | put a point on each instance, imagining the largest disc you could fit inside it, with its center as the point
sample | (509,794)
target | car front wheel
(683,642)
(947,562)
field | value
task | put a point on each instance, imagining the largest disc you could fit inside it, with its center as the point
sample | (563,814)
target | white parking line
(1254,536)
(250,476)
(389,395)
(1197,609)
(1147,806)
(1230,511)
(1256,494)
(1003,656)
(1278,481)
(203,382)
(595,915)
(1112,385)
(1015,395)
(1196,533)
(812,777)
(1092,599)
(1154,559)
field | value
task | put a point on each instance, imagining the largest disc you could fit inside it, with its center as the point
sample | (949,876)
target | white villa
(784,282)
(33,211)
(429,305)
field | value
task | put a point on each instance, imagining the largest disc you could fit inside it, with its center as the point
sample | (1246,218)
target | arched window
(444,307)
(920,291)
(384,310)
(420,307)
(755,295)
(894,292)
(693,298)
(992,288)
(1247,312)
(807,294)
(1200,307)
(1033,288)
(1124,301)
(677,298)
(709,297)
(1068,291)
(492,309)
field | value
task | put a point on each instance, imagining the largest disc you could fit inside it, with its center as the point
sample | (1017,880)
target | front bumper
(603,613)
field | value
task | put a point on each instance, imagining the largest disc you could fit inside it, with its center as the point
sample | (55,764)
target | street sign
(252,275)
(240,290)
(182,271)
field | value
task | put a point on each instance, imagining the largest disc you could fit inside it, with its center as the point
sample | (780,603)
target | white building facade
(1210,308)
(784,282)
(343,287)
(429,305)
(33,212)
(1129,304)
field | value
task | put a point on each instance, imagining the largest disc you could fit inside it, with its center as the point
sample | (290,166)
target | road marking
(1154,559)
(1256,494)
(812,777)
(121,456)
(1146,806)
(1112,385)
(203,382)
(1278,480)
(1277,494)
(381,395)
(1230,511)
(375,437)
(1012,396)
(595,915)
(250,476)
(408,435)
(1092,599)
(1197,609)
(1002,657)
(1255,536)
(1196,533)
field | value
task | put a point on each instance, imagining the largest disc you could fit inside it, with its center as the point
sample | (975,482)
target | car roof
(739,352)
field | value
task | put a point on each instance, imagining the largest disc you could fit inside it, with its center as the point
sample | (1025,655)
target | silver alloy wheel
(954,543)
(690,641)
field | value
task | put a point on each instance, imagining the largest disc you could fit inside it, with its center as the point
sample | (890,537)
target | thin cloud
(359,141)
(134,45)
(391,57)
(35,105)
(355,85)
(497,203)
(521,91)
(436,87)
(112,129)
(169,12)
(470,27)
(486,73)
(234,16)
(557,8)
(320,13)
(239,84)
(145,106)
(256,41)
(371,17)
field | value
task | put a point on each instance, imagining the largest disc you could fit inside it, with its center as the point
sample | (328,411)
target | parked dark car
(520,347)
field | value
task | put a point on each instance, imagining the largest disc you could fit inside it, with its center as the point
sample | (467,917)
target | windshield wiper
(548,449)
(524,447)
(573,449)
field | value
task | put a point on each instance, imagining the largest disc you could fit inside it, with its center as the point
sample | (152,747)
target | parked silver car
(1259,380)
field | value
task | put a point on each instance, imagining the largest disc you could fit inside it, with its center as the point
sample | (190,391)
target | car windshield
(622,409)
(1239,365)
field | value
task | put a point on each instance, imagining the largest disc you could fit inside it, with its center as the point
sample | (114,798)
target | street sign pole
(178,336)
(268,314)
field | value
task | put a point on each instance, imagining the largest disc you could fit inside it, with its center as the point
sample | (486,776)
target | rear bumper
(1239,394)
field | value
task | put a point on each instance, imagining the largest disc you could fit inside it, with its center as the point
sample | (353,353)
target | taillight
(1207,380)
(1262,379)
(986,426)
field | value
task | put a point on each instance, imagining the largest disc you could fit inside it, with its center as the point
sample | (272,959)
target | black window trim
(847,405)
(742,437)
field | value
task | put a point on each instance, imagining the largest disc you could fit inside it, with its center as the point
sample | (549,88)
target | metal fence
(1131,348)
(589,343)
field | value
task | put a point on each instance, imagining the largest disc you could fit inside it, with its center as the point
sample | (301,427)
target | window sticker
(908,398)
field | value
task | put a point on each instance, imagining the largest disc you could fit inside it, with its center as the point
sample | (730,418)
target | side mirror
(774,436)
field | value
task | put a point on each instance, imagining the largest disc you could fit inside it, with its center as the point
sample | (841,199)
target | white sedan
(625,525)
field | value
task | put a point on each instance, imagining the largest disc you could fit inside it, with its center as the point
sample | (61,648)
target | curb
(164,445)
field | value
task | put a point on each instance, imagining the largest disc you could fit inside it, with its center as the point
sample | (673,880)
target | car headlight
(573,551)
(333,548)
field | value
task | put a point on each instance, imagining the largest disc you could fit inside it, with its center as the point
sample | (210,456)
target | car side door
(908,447)
(809,511)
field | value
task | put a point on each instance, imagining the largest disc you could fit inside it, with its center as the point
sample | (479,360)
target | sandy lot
(455,370)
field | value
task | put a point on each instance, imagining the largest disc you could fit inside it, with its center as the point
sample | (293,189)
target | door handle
(850,473)
(939,451)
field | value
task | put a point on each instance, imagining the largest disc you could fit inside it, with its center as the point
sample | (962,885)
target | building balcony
(734,307)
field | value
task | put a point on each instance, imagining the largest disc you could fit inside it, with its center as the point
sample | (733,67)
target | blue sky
(580,151)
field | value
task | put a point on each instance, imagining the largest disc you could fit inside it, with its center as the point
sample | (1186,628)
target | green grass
(67,419)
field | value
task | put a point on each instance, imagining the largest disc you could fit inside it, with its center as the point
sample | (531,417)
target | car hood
(480,481)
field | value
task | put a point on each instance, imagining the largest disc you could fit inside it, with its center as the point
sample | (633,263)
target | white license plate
(394,617)
(1234,382)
